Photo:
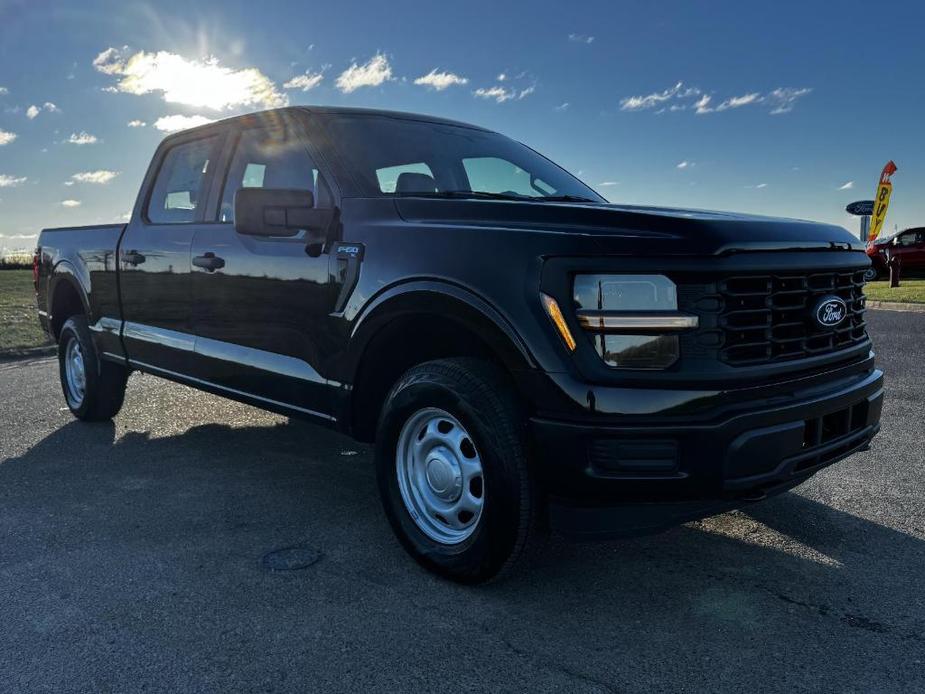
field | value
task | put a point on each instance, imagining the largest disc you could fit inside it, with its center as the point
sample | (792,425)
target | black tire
(872,273)
(104,382)
(482,399)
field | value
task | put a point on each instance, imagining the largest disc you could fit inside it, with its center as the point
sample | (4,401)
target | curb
(30,353)
(896,306)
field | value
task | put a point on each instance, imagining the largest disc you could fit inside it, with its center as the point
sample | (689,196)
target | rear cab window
(179,189)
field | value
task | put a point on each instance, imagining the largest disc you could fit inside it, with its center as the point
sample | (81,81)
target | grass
(908,291)
(19,320)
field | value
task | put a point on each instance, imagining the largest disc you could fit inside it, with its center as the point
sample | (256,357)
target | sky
(787,109)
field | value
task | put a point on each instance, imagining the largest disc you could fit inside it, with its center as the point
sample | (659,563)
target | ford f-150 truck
(523,354)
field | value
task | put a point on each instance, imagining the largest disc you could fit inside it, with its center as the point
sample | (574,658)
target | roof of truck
(332,110)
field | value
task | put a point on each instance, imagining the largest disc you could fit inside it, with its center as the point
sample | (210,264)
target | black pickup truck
(522,353)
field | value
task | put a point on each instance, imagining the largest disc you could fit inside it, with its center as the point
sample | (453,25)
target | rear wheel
(94,389)
(452,469)
(870,274)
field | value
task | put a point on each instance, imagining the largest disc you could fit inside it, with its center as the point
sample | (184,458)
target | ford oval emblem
(830,311)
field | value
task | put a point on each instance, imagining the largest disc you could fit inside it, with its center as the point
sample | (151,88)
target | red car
(907,246)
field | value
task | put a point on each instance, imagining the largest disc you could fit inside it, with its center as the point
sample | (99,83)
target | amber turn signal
(555,314)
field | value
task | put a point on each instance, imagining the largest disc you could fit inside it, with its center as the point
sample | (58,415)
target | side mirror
(276,212)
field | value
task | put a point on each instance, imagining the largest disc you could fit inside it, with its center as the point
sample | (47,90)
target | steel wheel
(440,476)
(75,373)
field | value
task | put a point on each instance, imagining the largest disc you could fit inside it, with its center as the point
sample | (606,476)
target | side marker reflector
(555,314)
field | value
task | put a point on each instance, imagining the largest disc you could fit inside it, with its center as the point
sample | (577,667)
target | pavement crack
(548,663)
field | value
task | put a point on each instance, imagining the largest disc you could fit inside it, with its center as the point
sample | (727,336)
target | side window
(179,187)
(494,175)
(388,178)
(271,158)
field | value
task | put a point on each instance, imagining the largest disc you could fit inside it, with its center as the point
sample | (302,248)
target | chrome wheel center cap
(443,476)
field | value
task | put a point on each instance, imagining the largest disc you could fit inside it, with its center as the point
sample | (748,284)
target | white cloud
(685,164)
(761,185)
(501,94)
(498,93)
(703,105)
(677,98)
(440,80)
(136,124)
(305,82)
(70,203)
(370,74)
(783,98)
(4,91)
(6,137)
(581,38)
(82,138)
(204,83)
(563,106)
(739,101)
(109,61)
(608,184)
(7,181)
(100,177)
(641,103)
(848,185)
(501,76)
(33,111)
(171,124)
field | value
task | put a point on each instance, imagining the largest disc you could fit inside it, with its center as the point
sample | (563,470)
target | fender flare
(66,273)
(448,300)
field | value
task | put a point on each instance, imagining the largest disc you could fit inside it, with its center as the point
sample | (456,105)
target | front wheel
(94,389)
(452,469)
(870,274)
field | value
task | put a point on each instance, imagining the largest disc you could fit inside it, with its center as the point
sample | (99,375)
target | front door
(261,304)
(154,255)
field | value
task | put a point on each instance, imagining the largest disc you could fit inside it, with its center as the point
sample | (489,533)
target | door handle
(209,262)
(133,258)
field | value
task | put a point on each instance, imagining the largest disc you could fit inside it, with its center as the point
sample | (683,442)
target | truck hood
(635,229)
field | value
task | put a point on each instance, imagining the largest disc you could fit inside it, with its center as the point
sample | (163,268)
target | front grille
(769,317)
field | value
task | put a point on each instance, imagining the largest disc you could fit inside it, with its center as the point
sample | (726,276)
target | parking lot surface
(138,555)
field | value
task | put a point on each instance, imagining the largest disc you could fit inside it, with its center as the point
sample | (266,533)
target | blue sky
(777,108)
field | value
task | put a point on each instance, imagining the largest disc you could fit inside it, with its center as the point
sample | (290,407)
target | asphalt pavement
(144,555)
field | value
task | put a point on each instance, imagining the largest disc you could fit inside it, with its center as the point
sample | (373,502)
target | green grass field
(19,322)
(909,291)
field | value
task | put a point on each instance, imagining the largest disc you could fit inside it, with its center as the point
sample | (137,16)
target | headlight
(632,320)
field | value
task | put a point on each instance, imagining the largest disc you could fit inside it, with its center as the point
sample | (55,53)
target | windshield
(399,157)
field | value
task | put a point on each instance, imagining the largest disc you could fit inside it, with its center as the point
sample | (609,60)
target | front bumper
(611,476)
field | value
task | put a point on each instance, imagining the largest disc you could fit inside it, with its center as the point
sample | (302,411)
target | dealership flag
(881,200)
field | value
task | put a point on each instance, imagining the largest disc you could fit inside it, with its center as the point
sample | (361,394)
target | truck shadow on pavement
(124,524)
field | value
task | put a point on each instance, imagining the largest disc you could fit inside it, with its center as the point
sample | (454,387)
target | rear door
(154,255)
(261,307)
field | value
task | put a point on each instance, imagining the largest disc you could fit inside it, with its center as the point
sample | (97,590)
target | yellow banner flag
(881,200)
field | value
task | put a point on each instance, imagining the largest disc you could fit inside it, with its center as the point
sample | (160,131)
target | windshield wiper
(485,195)
(564,198)
(464,194)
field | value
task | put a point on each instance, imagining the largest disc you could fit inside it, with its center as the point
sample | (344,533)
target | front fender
(449,301)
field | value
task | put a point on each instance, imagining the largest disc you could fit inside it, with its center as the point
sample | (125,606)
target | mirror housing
(277,212)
